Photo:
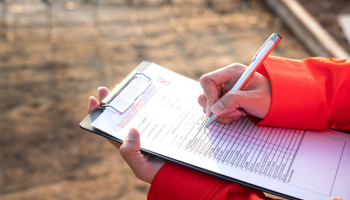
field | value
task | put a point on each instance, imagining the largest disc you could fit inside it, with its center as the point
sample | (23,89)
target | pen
(259,58)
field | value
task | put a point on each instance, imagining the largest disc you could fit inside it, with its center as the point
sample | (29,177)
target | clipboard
(86,125)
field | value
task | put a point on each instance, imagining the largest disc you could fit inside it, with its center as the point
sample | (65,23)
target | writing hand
(254,99)
(143,168)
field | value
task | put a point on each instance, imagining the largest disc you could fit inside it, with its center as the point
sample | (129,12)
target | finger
(102,93)
(202,99)
(132,142)
(130,149)
(226,76)
(226,120)
(235,113)
(93,104)
(233,100)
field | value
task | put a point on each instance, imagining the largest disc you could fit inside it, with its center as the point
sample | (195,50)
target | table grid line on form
(266,151)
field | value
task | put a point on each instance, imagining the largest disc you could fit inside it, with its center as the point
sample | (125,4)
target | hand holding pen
(237,88)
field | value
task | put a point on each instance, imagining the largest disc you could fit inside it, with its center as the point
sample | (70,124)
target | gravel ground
(53,57)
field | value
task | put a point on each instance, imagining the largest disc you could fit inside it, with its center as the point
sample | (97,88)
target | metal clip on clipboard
(129,92)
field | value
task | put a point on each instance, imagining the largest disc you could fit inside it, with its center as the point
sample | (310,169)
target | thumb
(130,150)
(231,101)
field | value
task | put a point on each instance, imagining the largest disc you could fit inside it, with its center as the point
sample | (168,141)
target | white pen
(257,60)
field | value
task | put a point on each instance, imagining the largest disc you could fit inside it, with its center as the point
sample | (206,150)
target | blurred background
(55,54)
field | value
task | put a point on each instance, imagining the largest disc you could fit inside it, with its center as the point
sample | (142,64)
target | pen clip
(268,40)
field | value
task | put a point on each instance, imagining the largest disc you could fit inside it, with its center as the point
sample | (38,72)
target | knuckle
(230,95)
(124,151)
(236,66)
(201,99)
(204,79)
(231,100)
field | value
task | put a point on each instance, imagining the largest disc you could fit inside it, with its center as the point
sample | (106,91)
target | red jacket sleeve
(175,182)
(308,94)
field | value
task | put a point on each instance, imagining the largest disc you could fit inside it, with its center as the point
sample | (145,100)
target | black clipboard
(86,125)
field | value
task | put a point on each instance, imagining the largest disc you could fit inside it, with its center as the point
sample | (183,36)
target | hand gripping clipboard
(115,95)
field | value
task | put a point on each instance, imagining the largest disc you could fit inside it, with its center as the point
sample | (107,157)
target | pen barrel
(256,62)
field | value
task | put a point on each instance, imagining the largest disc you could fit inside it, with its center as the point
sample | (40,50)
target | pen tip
(206,124)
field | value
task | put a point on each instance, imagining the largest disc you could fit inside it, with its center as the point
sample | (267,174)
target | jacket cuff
(293,93)
(174,181)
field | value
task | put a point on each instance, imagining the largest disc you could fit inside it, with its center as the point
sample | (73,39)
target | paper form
(266,151)
(170,122)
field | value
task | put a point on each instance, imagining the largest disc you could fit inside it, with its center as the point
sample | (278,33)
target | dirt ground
(54,56)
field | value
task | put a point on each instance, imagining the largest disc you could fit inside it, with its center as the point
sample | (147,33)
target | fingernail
(132,135)
(235,113)
(218,107)
(99,88)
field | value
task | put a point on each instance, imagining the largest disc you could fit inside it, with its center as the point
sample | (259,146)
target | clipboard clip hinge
(104,105)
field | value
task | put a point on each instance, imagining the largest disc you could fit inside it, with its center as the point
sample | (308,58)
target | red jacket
(309,94)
